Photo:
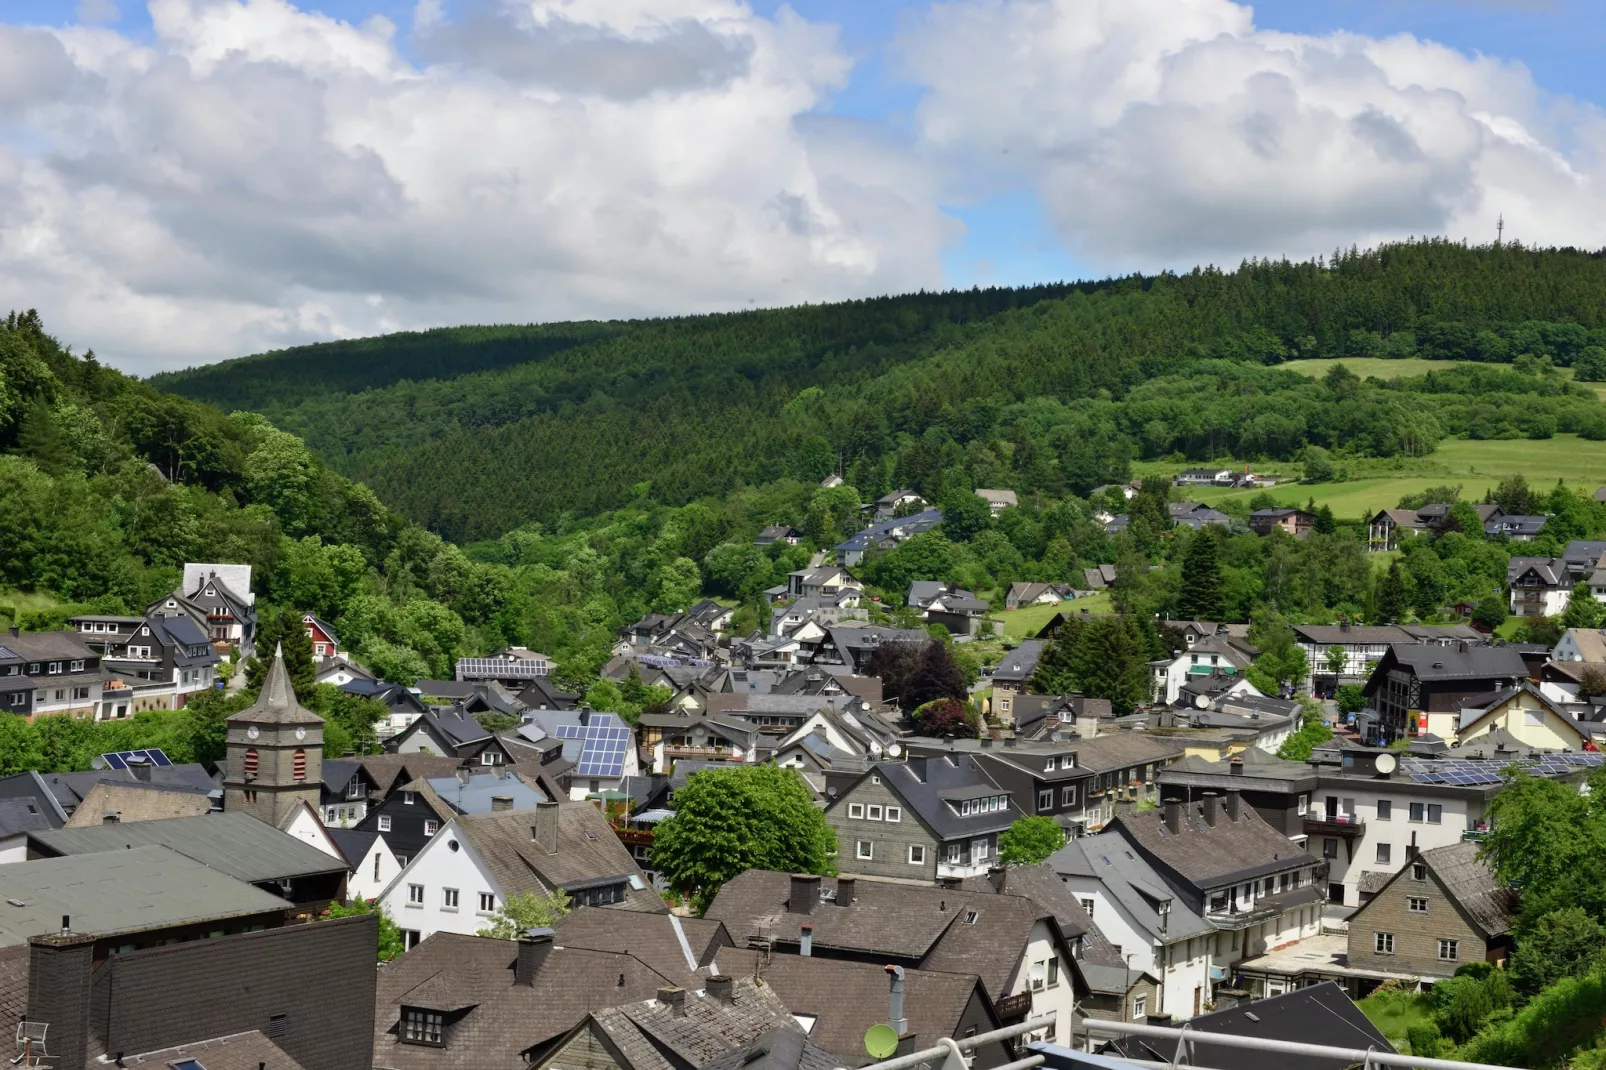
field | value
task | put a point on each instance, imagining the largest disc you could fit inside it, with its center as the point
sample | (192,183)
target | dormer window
(419,1026)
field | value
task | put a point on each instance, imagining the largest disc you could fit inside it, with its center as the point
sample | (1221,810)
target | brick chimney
(1173,816)
(844,891)
(805,893)
(544,827)
(501,802)
(59,984)
(1233,805)
(534,947)
(1236,765)
(674,999)
(1210,810)
(722,988)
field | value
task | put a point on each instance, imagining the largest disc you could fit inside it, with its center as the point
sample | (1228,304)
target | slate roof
(1431,662)
(1211,855)
(650,1035)
(1130,880)
(926,785)
(276,702)
(1122,750)
(390,770)
(50,646)
(455,726)
(1591,643)
(1470,881)
(846,998)
(922,925)
(1317,1014)
(353,843)
(588,853)
(685,950)
(25,815)
(479,793)
(503,1020)
(1019,664)
(998,497)
(13,987)
(232,843)
(782,1048)
(240,1051)
(1354,635)
(123,891)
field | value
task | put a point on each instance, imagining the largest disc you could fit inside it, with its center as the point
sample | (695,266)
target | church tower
(275,752)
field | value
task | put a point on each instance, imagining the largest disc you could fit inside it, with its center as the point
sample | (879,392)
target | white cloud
(1163,132)
(255,175)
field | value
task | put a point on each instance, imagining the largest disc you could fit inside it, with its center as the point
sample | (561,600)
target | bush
(1555,1023)
(1424,1039)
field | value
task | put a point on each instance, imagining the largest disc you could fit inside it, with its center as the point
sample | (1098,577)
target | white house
(373,864)
(1133,907)
(465,873)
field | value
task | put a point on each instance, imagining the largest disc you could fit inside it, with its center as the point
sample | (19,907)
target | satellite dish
(1201,702)
(1385,763)
(895,750)
(880,1041)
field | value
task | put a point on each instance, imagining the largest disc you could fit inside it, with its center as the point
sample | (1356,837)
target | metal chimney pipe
(806,941)
(895,1018)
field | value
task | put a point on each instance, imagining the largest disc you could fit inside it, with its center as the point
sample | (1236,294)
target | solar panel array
(605,740)
(1488,770)
(120,759)
(500,669)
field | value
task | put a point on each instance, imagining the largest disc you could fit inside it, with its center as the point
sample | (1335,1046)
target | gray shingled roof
(782,1048)
(927,785)
(588,853)
(1210,855)
(276,702)
(1109,859)
(705,1030)
(241,1051)
(1432,662)
(233,843)
(1470,881)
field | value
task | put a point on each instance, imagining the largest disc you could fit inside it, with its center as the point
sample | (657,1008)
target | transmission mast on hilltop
(1500,228)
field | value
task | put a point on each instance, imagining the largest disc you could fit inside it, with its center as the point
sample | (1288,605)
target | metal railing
(1182,1039)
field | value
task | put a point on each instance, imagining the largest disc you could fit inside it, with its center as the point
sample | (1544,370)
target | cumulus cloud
(1161,132)
(257,175)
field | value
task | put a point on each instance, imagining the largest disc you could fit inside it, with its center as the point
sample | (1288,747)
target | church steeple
(275,752)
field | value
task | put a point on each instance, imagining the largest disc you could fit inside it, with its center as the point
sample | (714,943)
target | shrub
(1424,1039)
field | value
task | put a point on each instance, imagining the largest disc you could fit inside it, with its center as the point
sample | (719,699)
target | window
(1384,853)
(956,853)
(856,811)
(1068,796)
(863,849)
(1068,761)
(487,902)
(872,813)
(376,865)
(1418,811)
(1419,871)
(76,666)
(1449,950)
(1383,943)
(80,692)
(1435,813)
(1304,805)
(980,850)
(1416,904)
(250,795)
(421,1027)
(55,667)
(1329,848)
(415,894)
(384,822)
(249,765)
(1048,766)
(490,757)
(1140,1006)
(1045,799)
(1534,719)
(299,765)
(1087,907)
(449,898)
(917,854)
(1385,810)
(894,813)
(431,827)
(407,798)
(1053,973)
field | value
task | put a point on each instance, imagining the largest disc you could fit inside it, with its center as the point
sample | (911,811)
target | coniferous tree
(1056,666)
(1391,594)
(1201,597)
(1112,661)
(283,628)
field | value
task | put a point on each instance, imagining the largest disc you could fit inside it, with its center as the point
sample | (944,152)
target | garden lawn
(1394,1012)
(1025,623)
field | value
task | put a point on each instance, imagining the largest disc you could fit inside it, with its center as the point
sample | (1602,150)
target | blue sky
(980,142)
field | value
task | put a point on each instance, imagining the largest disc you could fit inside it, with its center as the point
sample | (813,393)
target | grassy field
(1384,368)
(1025,623)
(1478,466)
(1395,1012)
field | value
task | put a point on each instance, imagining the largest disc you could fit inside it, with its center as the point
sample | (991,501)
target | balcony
(706,754)
(1340,825)
(1013,1008)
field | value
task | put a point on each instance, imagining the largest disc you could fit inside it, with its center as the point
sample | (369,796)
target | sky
(184,181)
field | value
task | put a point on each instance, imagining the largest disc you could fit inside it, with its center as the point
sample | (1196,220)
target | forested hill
(476,431)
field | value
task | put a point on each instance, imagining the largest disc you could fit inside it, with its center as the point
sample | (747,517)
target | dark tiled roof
(390,770)
(13,987)
(655,939)
(232,843)
(276,702)
(353,844)
(1019,664)
(1432,662)
(1207,855)
(503,1019)
(1473,884)
(1319,1014)
(782,1048)
(704,1030)
(588,853)
(927,785)
(241,1051)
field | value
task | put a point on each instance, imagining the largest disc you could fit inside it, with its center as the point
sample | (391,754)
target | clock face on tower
(301,733)
(252,732)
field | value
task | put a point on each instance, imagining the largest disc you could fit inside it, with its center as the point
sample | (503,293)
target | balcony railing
(1348,827)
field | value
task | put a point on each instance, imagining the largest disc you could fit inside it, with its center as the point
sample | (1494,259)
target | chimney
(141,770)
(895,1018)
(1236,765)
(722,988)
(844,891)
(674,999)
(1087,727)
(805,940)
(1173,816)
(1010,741)
(995,876)
(15,631)
(59,973)
(1210,810)
(805,894)
(534,947)
(1232,805)
(987,742)
(500,803)
(110,817)
(544,829)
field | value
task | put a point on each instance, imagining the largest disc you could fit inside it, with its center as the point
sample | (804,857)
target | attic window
(420,1026)
(971,916)
(187,1064)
